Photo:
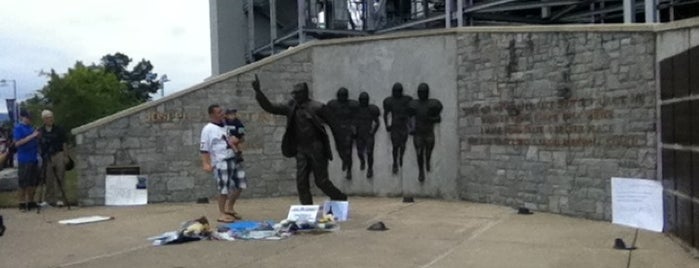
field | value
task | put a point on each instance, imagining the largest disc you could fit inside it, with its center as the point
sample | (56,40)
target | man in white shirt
(218,156)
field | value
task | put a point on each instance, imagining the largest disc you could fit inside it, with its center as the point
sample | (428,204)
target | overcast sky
(38,35)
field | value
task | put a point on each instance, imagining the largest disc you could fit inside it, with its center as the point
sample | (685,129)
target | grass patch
(9,199)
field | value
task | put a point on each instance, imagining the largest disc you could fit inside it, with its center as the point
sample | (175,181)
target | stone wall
(540,117)
(162,137)
(548,118)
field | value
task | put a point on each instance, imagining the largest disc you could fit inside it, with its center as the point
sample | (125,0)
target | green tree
(140,81)
(80,96)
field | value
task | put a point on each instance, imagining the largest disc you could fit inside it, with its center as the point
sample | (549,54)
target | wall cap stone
(676,25)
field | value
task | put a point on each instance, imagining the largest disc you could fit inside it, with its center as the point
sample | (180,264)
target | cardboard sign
(125,190)
(637,203)
(339,209)
(83,220)
(300,213)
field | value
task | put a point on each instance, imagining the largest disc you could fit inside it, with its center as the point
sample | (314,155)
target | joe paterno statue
(342,111)
(397,106)
(427,113)
(305,139)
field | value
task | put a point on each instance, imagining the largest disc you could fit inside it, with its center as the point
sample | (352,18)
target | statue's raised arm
(273,108)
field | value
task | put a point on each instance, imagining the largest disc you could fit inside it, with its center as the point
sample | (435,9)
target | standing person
(27,144)
(305,138)
(218,157)
(54,155)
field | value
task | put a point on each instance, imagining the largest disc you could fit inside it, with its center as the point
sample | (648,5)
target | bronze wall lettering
(617,141)
(159,117)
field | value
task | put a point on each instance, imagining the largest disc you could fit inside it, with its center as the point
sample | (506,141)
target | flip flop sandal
(235,215)
(225,221)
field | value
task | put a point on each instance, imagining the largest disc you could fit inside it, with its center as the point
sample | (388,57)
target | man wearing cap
(53,146)
(27,143)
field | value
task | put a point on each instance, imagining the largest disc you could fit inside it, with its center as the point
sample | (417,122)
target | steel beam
(447,13)
(460,16)
(301,9)
(610,9)
(486,5)
(506,18)
(650,11)
(411,24)
(629,11)
(251,29)
(272,23)
(545,10)
(530,5)
(470,20)
(337,32)
(561,13)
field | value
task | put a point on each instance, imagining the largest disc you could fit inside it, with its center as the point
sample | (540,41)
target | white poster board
(637,203)
(300,213)
(88,219)
(125,190)
(339,209)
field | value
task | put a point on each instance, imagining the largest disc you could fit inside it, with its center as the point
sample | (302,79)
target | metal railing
(319,19)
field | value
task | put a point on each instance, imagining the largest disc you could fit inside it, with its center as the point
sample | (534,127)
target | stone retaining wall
(540,117)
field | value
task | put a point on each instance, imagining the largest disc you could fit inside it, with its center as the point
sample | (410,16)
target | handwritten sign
(125,190)
(637,203)
(300,213)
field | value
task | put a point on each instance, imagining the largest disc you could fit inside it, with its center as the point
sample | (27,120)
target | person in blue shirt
(27,144)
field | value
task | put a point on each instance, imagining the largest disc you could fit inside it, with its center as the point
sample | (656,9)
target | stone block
(585,206)
(598,194)
(88,202)
(545,156)
(179,183)
(156,198)
(108,144)
(532,153)
(98,160)
(96,192)
(560,159)
(90,134)
(180,196)
(131,143)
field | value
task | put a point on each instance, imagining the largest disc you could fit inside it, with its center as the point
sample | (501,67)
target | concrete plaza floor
(427,233)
